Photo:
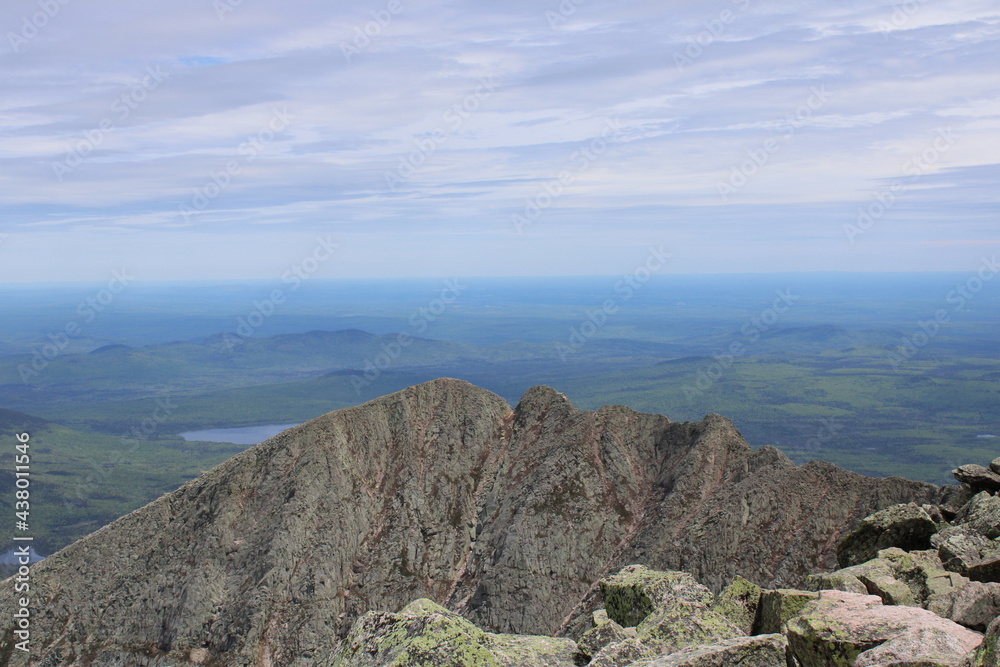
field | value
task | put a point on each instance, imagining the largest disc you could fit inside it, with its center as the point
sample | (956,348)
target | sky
(234,139)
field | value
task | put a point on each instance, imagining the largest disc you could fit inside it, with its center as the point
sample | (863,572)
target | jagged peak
(718,421)
(438,386)
(768,455)
(543,397)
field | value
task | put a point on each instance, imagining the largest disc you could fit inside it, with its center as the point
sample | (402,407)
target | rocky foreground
(923,607)
(442,493)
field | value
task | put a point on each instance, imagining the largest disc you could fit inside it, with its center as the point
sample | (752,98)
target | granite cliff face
(440,491)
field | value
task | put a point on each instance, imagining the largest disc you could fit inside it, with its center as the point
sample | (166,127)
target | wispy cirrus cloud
(893,78)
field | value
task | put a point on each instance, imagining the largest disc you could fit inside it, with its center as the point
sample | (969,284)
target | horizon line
(657,276)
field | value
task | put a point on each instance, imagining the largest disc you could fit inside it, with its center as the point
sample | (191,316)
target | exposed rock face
(440,491)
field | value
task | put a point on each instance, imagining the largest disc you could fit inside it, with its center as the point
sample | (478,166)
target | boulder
(907,526)
(918,579)
(529,651)
(843,628)
(965,550)
(622,654)
(604,632)
(669,609)
(839,580)
(924,573)
(635,591)
(738,602)
(890,576)
(425,633)
(978,477)
(683,624)
(920,648)
(935,513)
(890,589)
(982,514)
(778,606)
(422,631)
(974,605)
(757,651)
(995,465)
(988,653)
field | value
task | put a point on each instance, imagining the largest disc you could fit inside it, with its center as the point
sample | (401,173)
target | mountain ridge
(440,491)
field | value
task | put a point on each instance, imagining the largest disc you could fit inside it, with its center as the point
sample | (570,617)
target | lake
(245,435)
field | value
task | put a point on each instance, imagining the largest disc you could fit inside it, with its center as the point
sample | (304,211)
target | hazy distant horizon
(513,277)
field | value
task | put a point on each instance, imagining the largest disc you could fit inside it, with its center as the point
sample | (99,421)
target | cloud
(448,119)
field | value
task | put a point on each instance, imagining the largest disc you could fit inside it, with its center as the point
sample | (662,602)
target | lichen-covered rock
(919,648)
(917,578)
(978,477)
(988,653)
(670,610)
(532,651)
(846,629)
(838,580)
(981,514)
(974,605)
(924,573)
(622,654)
(635,592)
(970,553)
(683,624)
(889,589)
(908,527)
(778,606)
(757,651)
(738,602)
(604,632)
(879,576)
(425,634)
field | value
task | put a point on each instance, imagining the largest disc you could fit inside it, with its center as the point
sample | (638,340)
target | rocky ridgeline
(919,586)
(505,517)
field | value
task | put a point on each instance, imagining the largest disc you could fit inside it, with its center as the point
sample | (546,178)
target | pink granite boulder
(854,630)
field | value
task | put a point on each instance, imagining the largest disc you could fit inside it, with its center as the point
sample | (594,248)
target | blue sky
(232,138)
